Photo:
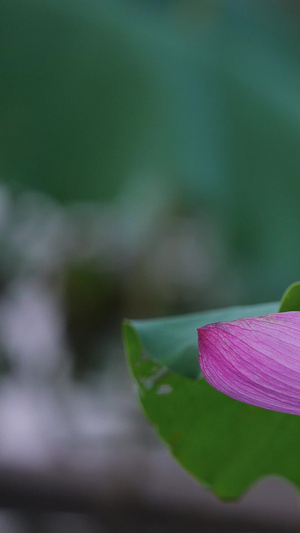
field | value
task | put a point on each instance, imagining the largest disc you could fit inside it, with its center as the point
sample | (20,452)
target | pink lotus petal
(255,360)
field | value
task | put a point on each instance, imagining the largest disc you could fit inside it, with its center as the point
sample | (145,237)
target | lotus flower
(255,360)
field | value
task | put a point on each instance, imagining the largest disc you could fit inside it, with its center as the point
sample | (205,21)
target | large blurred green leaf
(257,54)
(225,444)
(94,92)
(84,97)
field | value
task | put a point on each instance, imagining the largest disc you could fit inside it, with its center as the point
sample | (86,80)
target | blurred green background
(149,165)
(192,104)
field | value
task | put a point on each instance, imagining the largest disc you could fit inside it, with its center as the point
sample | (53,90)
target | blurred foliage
(83,98)
(202,95)
(91,297)
(166,134)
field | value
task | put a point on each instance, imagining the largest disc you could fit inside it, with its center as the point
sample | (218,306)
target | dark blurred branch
(121,510)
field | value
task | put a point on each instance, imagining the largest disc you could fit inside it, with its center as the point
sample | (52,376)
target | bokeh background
(149,165)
